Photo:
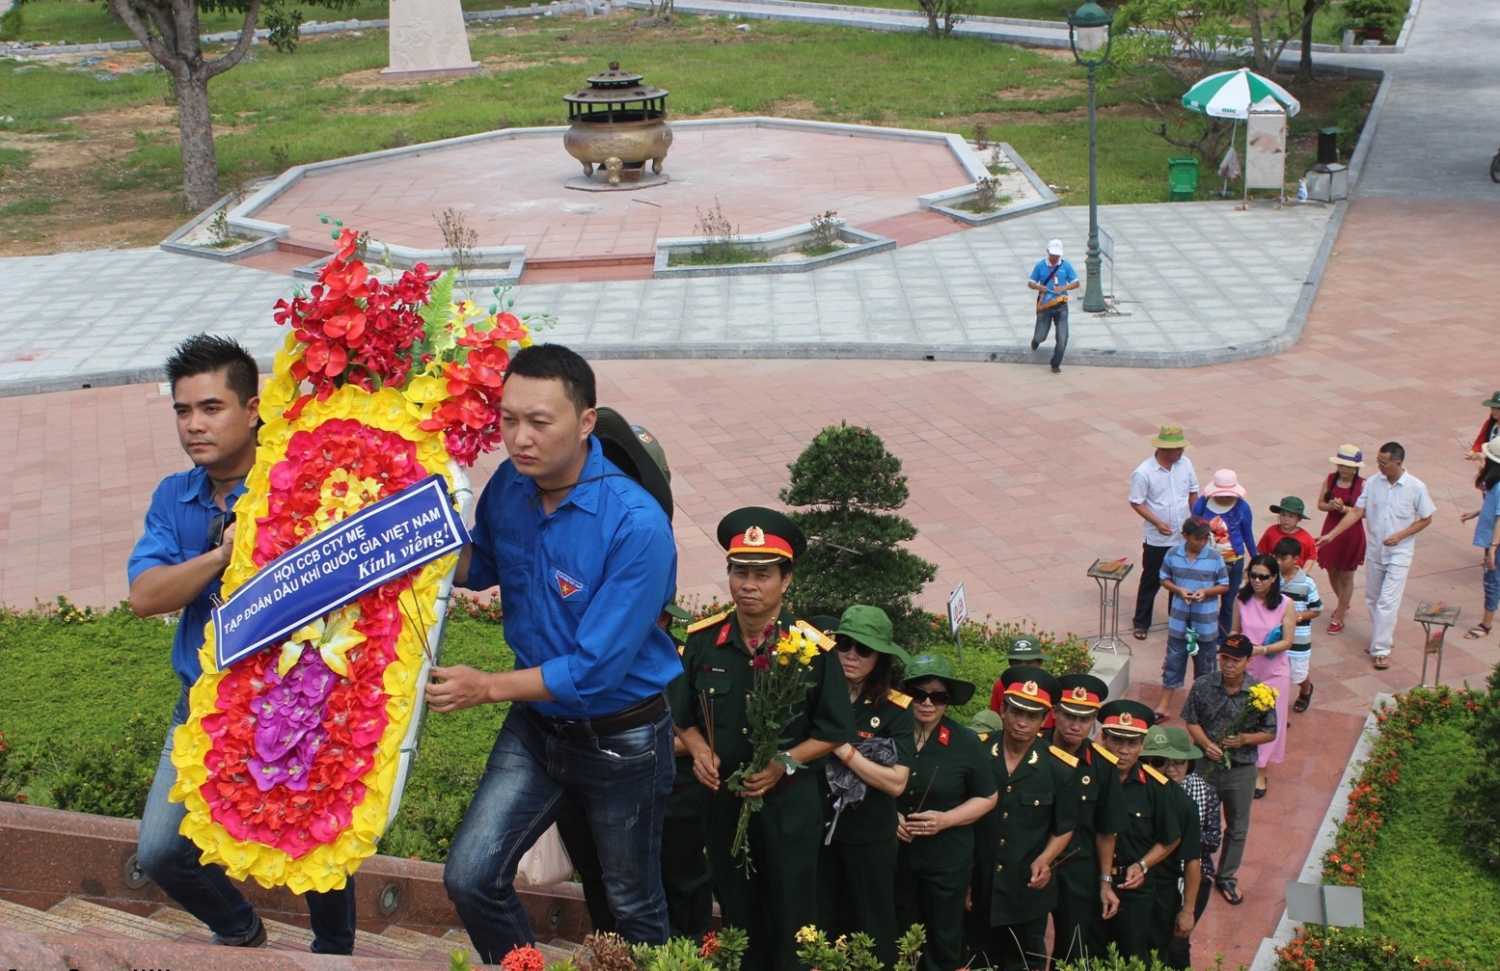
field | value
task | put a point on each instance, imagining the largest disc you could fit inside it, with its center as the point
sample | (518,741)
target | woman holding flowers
(855,890)
(1269,619)
(951,787)
(759,708)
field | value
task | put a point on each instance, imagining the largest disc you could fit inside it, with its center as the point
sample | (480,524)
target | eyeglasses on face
(845,645)
(936,697)
(1260,576)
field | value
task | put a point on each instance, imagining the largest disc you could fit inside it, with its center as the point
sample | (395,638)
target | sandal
(1477,631)
(1300,705)
(1140,635)
(1161,717)
(1382,661)
(1260,792)
(1335,626)
(1231,895)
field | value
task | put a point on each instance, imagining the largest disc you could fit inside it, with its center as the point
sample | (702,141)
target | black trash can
(1328,146)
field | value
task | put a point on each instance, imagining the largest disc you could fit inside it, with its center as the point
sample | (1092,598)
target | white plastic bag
(546,863)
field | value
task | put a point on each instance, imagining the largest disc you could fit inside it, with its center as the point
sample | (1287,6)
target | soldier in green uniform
(985,723)
(1152,827)
(708,707)
(684,865)
(1169,916)
(951,787)
(1034,781)
(855,889)
(1084,899)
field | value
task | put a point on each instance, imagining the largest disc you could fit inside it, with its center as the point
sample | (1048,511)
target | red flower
(523,959)
(761,662)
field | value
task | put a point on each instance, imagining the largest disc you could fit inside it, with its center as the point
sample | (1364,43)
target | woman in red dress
(1342,557)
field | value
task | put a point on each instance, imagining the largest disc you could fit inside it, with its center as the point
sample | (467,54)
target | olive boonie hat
(1126,717)
(1493,401)
(824,622)
(871,627)
(1025,650)
(1170,436)
(1157,744)
(637,453)
(753,534)
(1081,694)
(1291,504)
(926,666)
(1182,745)
(1029,688)
(985,720)
(679,613)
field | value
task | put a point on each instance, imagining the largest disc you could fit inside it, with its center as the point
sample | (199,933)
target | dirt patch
(1063,87)
(793,108)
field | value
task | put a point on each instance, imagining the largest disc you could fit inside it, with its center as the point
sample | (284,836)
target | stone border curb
(261,243)
(863,244)
(1338,807)
(934,201)
(404,258)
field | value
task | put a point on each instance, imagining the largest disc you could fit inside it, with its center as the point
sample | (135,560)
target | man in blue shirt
(1052,278)
(585,559)
(176,565)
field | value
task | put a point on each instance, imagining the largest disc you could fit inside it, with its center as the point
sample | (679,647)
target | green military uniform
(1165,876)
(1151,817)
(1078,918)
(934,871)
(684,865)
(1035,806)
(855,889)
(780,895)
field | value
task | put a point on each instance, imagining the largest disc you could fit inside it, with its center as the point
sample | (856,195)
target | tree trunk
(1257,37)
(1305,62)
(200,162)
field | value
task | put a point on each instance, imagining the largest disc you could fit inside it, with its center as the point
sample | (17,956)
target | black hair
(206,354)
(1287,546)
(885,675)
(1273,594)
(554,361)
(785,565)
(1488,476)
(1394,450)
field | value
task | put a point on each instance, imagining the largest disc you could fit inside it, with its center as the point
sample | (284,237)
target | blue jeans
(1174,667)
(622,780)
(1226,602)
(171,861)
(1491,589)
(1044,320)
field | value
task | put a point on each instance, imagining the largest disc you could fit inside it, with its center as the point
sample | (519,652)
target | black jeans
(1145,594)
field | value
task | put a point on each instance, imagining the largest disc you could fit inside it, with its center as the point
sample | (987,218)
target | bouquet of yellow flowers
(779,689)
(1262,699)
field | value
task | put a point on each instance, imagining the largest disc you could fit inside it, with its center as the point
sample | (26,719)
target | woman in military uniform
(1170,916)
(1152,827)
(951,786)
(708,707)
(855,890)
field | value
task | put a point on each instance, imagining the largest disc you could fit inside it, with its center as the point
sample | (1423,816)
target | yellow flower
(783,660)
(785,646)
(807,934)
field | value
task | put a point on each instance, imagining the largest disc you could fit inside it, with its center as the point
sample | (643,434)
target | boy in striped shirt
(1297,585)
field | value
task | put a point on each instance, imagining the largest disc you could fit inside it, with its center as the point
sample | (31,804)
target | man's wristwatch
(1144,868)
(1106,878)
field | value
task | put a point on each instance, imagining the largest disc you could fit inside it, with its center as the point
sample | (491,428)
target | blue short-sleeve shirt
(1058,285)
(177,522)
(582,588)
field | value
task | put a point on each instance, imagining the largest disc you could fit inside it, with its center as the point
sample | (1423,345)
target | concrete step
(404,944)
(114,921)
(33,921)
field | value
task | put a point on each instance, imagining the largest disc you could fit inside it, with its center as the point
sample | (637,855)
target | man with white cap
(1052,278)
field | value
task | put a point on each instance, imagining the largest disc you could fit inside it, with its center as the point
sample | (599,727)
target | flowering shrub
(1317,948)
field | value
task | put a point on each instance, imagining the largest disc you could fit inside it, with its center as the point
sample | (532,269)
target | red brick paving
(1018,477)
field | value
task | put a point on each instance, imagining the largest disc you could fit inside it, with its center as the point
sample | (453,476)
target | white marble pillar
(428,39)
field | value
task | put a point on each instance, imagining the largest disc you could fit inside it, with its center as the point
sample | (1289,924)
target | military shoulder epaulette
(983,736)
(898,698)
(1106,754)
(681,649)
(698,625)
(824,642)
(1155,774)
(1071,761)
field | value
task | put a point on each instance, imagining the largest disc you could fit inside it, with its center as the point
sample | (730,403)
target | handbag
(546,863)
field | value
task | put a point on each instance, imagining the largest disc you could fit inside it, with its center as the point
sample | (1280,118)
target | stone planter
(780,249)
(492,265)
(197,238)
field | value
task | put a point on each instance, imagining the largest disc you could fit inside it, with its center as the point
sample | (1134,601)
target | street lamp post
(1090,34)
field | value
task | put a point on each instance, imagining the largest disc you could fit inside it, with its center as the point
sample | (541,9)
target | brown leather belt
(638,714)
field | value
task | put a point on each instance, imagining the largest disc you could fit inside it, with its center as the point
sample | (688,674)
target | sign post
(958,612)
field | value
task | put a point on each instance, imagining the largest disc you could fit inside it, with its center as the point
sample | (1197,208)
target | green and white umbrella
(1231,94)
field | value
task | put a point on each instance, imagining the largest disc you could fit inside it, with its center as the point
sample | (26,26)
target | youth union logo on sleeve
(566,585)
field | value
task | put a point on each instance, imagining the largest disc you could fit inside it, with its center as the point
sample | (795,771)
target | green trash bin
(1182,178)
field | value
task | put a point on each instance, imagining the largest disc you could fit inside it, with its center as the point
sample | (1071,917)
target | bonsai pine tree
(847,489)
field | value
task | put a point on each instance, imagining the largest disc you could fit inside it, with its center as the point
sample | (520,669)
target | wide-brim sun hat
(1491,449)
(1493,401)
(1182,745)
(871,627)
(1291,505)
(1225,483)
(637,453)
(1350,456)
(1169,436)
(925,667)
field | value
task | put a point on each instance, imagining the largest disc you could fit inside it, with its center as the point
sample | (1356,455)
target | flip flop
(1477,631)
(1303,701)
(1140,635)
(1161,717)
(1382,662)
(1335,626)
(1231,895)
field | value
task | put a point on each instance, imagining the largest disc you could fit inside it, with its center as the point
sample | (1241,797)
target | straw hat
(1350,456)
(1225,483)
(1170,436)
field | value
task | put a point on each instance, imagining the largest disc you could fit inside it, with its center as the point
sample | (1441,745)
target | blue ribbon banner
(321,574)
